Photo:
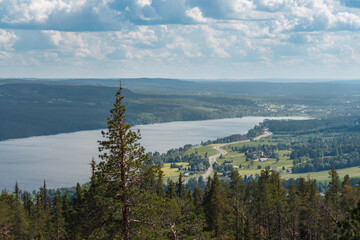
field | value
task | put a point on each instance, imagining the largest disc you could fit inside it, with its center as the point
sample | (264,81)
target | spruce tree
(237,195)
(333,194)
(159,188)
(123,163)
(57,219)
(180,189)
(170,192)
(293,205)
(17,191)
(214,207)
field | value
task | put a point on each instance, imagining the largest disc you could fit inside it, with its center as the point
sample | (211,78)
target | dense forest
(262,209)
(127,199)
(32,109)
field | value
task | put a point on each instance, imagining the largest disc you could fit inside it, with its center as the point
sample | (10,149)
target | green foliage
(126,200)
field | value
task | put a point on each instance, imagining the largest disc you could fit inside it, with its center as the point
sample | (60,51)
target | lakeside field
(324,175)
(282,164)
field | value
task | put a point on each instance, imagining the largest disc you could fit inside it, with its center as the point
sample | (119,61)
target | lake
(63,159)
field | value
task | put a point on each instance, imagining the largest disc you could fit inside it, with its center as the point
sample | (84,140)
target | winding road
(212,159)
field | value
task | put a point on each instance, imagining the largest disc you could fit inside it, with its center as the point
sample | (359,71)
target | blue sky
(193,39)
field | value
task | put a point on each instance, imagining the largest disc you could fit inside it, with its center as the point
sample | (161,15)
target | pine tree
(350,227)
(67,214)
(123,163)
(279,195)
(77,215)
(180,189)
(159,188)
(237,195)
(17,191)
(28,204)
(348,196)
(293,205)
(214,207)
(332,206)
(57,219)
(44,196)
(333,194)
(170,192)
(198,196)
(41,214)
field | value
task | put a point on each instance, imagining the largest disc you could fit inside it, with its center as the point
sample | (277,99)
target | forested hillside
(127,199)
(42,107)
(262,209)
(31,109)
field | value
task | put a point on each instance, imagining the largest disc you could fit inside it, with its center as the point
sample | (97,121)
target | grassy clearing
(252,167)
(255,143)
(324,175)
(173,172)
(202,151)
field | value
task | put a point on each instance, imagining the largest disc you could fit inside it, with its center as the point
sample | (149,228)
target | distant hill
(30,107)
(263,87)
(44,107)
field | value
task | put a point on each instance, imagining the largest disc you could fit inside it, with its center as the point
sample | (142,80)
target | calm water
(63,159)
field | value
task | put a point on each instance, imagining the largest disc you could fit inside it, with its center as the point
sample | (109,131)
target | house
(264,159)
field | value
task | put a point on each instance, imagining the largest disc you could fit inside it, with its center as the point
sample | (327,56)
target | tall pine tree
(123,164)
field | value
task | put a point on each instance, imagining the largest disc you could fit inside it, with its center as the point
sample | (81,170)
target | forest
(47,106)
(127,198)
(257,209)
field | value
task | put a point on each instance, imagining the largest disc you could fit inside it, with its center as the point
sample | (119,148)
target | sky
(187,39)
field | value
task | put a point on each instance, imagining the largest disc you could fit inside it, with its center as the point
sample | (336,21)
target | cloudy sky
(180,38)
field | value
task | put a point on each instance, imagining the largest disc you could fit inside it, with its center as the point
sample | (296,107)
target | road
(212,159)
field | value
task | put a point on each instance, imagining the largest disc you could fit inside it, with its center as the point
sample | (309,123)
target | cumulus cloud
(162,33)
(63,15)
(113,15)
(7,40)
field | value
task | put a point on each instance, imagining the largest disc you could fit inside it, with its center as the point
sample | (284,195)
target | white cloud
(196,14)
(7,39)
(143,3)
(162,34)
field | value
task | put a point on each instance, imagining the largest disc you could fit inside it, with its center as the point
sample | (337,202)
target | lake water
(63,159)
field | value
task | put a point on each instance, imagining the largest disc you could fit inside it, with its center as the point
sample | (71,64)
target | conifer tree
(214,207)
(66,210)
(159,188)
(293,205)
(44,196)
(77,215)
(237,195)
(180,189)
(57,219)
(332,206)
(17,191)
(170,192)
(198,196)
(27,203)
(333,194)
(41,214)
(350,226)
(348,196)
(123,163)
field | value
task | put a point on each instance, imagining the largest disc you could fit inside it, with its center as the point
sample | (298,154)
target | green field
(173,172)
(202,151)
(252,167)
(324,175)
